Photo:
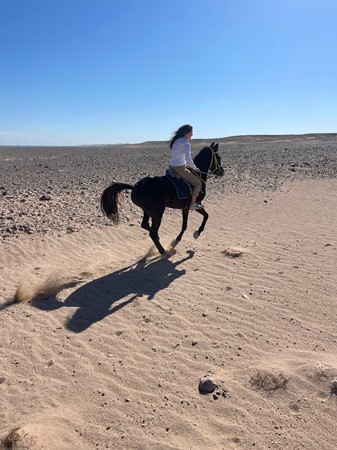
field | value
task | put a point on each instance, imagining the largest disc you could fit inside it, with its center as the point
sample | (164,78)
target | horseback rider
(181,159)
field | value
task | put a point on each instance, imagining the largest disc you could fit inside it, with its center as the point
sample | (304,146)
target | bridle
(216,164)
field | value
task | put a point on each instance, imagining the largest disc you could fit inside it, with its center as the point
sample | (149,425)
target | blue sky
(112,71)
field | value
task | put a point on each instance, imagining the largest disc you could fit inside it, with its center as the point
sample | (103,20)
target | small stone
(45,197)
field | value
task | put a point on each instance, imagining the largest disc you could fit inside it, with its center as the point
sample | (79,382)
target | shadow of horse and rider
(105,296)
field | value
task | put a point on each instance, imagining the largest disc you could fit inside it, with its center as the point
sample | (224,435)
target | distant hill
(310,137)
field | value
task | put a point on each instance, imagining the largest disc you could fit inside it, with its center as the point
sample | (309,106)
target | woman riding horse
(181,161)
(154,194)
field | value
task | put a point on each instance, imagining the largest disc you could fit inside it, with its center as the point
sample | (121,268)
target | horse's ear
(212,145)
(216,147)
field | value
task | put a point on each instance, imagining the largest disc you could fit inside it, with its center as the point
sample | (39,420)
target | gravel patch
(47,190)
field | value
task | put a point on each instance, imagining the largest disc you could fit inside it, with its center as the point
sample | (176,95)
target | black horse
(154,194)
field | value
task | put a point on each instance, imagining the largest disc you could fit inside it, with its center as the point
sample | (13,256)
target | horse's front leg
(183,228)
(196,234)
(145,222)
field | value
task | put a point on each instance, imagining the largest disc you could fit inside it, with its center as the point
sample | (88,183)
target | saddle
(183,188)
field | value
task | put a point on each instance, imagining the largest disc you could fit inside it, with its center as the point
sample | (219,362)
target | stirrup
(196,206)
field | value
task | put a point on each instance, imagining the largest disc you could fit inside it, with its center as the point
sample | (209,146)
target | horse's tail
(109,200)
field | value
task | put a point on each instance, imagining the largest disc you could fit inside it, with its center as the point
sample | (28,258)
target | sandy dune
(109,343)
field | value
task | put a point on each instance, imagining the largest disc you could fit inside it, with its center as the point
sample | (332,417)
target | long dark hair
(184,129)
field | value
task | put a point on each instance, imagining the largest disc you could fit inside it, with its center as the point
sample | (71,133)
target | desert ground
(104,342)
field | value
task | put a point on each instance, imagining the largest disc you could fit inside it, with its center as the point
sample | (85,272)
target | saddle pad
(184,189)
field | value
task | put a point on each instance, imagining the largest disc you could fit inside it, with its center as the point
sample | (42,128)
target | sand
(109,342)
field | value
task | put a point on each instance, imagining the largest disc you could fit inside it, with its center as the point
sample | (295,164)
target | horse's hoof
(174,243)
(169,253)
(196,234)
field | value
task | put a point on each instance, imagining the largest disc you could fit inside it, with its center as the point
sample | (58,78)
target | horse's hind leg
(145,222)
(196,234)
(156,221)
(183,228)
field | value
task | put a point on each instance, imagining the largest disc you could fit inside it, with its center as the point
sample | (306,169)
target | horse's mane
(201,155)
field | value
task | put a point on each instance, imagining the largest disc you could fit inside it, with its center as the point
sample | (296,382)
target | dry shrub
(268,381)
(19,440)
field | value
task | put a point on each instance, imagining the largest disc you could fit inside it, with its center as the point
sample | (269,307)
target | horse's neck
(203,166)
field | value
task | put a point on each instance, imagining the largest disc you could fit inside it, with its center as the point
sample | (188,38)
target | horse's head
(208,160)
(215,166)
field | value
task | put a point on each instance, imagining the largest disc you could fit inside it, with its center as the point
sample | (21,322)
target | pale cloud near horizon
(13,137)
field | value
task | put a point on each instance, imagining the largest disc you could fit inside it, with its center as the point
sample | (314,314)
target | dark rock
(45,198)
(207,385)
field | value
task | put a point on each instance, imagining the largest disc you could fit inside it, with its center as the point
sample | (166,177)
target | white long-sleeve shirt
(181,154)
